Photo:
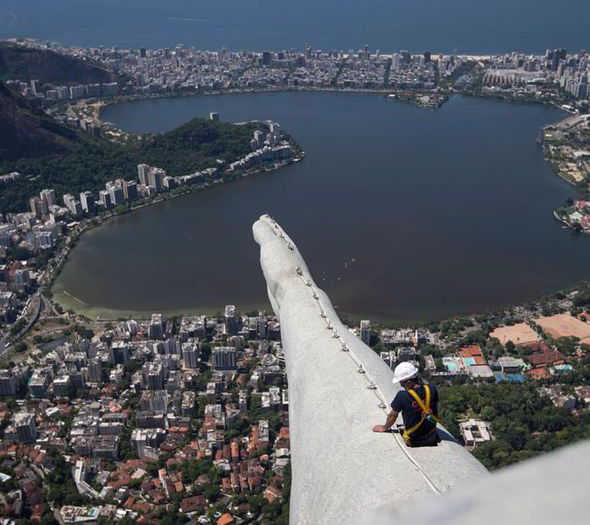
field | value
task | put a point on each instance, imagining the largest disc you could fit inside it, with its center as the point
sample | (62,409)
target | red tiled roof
(538,373)
(142,507)
(192,504)
(203,479)
(537,346)
(225,519)
(271,493)
(548,357)
(158,496)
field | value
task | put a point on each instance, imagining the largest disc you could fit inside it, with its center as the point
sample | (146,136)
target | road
(31,314)
(37,301)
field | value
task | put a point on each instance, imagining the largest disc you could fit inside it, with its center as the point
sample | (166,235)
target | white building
(475,432)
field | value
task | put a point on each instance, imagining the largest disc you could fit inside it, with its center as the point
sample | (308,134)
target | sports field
(519,334)
(565,325)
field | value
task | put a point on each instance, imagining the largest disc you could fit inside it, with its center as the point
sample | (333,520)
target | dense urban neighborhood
(144,420)
(187,418)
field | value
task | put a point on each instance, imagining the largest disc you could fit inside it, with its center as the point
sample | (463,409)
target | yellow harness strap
(426,411)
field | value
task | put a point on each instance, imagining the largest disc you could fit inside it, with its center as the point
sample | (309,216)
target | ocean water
(481,26)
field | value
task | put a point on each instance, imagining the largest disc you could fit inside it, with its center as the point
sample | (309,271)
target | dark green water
(445,212)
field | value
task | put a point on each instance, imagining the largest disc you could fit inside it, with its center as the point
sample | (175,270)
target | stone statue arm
(338,389)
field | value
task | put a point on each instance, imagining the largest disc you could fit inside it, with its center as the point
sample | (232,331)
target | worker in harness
(418,404)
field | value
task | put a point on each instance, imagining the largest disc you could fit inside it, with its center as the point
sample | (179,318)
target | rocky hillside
(28,132)
(51,156)
(25,64)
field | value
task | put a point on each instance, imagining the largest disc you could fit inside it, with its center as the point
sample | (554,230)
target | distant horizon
(434,53)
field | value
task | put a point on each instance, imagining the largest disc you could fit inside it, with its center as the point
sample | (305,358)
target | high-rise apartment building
(69,201)
(105,199)
(156,327)
(130,190)
(37,206)
(8,383)
(48,196)
(94,374)
(120,352)
(156,178)
(26,430)
(154,376)
(365,332)
(87,202)
(117,195)
(73,205)
(190,355)
(262,326)
(142,173)
(231,321)
(224,358)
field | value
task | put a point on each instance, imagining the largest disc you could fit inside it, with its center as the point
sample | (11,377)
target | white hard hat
(403,372)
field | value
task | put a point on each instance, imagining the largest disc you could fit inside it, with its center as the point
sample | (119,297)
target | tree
(61,487)
(19,254)
(18,326)
(510,347)
(567,345)
(87,333)
(212,492)
(49,519)
(523,423)
(488,413)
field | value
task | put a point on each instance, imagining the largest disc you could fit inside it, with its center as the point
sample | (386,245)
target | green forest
(18,62)
(194,146)
(524,423)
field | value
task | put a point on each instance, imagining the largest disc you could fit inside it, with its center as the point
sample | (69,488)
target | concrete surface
(549,490)
(342,471)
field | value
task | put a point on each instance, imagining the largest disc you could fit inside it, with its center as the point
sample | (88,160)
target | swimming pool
(451,367)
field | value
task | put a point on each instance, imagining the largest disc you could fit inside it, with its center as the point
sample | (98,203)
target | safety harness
(427,414)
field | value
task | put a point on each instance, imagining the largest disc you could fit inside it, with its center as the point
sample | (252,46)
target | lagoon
(403,214)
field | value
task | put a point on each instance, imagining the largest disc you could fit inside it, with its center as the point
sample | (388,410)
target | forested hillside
(23,63)
(88,164)
(29,132)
